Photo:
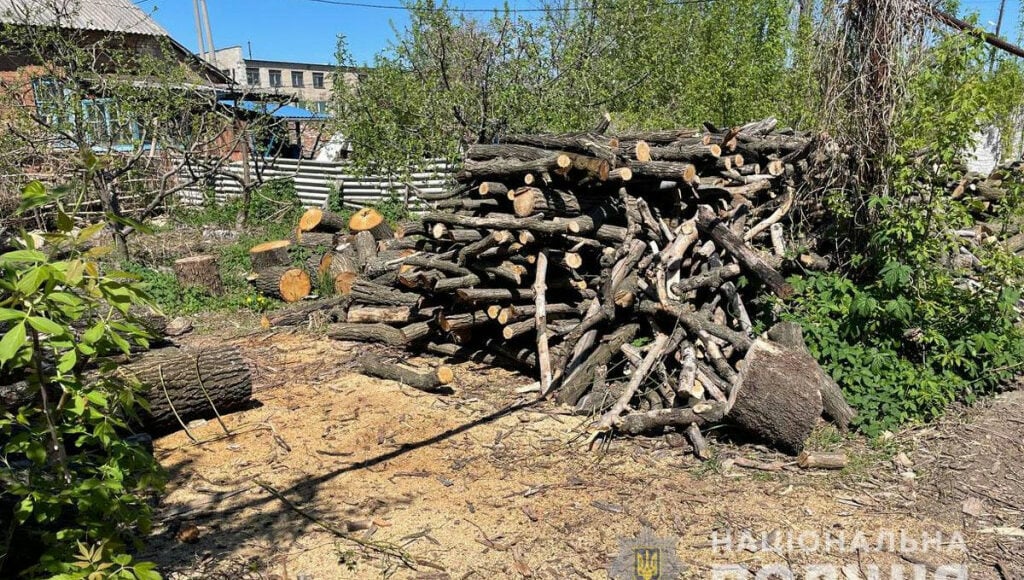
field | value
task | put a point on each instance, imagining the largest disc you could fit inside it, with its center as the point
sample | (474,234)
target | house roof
(278,111)
(104,15)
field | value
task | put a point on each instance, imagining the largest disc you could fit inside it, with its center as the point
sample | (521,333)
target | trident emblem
(648,566)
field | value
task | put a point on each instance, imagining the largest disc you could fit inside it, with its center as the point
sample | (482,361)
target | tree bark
(186,382)
(201,271)
(270,254)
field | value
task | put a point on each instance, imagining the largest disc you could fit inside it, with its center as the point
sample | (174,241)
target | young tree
(451,79)
(124,120)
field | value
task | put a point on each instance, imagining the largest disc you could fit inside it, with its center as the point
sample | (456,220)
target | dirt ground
(337,475)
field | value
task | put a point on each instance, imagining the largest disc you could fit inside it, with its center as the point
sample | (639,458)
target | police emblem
(646,557)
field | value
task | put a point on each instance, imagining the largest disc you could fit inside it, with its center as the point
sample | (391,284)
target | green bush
(908,326)
(79,489)
(274,206)
(901,356)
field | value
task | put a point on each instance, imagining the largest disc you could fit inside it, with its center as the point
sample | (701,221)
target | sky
(307,30)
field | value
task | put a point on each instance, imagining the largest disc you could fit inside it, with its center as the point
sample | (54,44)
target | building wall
(232,61)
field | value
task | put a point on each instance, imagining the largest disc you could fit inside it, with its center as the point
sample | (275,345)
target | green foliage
(79,487)
(449,78)
(912,327)
(274,207)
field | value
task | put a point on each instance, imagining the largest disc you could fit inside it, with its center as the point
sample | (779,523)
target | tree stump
(790,334)
(320,220)
(199,271)
(185,382)
(370,220)
(777,396)
(288,284)
(270,254)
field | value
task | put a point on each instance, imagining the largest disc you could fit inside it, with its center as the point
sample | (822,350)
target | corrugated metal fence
(315,181)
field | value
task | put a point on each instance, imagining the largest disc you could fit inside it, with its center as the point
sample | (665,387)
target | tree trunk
(320,220)
(777,396)
(201,271)
(185,382)
(370,220)
(789,334)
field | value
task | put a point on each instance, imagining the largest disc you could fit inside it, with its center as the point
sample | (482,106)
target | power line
(495,9)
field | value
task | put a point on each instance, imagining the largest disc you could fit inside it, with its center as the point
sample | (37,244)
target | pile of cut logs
(620,271)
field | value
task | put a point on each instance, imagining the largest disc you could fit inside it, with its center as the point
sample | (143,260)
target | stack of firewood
(621,272)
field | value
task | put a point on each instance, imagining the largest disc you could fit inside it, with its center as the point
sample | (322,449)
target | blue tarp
(276,110)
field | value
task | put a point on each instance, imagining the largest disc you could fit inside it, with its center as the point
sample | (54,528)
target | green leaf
(32,280)
(129,222)
(36,453)
(9,314)
(46,325)
(88,232)
(94,333)
(23,256)
(64,222)
(67,361)
(12,341)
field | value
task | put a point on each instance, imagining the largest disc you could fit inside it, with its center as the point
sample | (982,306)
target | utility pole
(204,34)
(999,25)
(200,45)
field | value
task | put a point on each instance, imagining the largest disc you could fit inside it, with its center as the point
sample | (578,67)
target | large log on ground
(192,384)
(201,271)
(320,220)
(270,254)
(370,220)
(789,334)
(282,282)
(777,395)
(424,380)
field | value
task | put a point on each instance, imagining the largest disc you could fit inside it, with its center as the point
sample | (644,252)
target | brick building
(308,84)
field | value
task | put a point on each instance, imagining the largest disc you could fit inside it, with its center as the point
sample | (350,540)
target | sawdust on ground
(485,483)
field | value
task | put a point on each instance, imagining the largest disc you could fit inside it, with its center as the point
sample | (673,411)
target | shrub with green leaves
(908,327)
(79,489)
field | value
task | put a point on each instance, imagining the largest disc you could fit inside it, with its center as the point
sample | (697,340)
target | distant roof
(285,112)
(106,15)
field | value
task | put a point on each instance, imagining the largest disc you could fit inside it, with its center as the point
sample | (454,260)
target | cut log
(789,334)
(580,378)
(302,312)
(366,333)
(424,380)
(637,423)
(192,384)
(199,271)
(284,283)
(270,254)
(820,460)
(777,396)
(361,314)
(550,202)
(323,240)
(366,248)
(367,292)
(370,220)
(709,223)
(320,220)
